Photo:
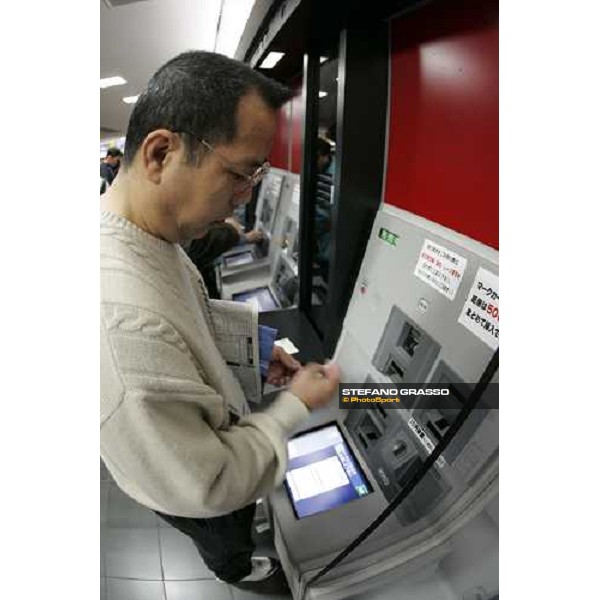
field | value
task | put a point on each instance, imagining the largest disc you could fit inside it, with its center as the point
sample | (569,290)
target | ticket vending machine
(425,309)
(284,281)
(276,284)
(252,257)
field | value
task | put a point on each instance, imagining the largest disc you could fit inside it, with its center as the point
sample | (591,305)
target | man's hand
(316,384)
(281,367)
(254,236)
(236,225)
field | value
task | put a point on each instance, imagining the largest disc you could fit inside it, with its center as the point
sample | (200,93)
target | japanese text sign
(481,312)
(441,268)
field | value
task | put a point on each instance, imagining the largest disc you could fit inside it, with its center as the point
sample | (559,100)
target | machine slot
(381,411)
(395,370)
(411,340)
(404,473)
(368,432)
(436,429)
(405,351)
(399,448)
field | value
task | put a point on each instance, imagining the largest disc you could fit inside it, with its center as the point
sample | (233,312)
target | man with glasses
(176,431)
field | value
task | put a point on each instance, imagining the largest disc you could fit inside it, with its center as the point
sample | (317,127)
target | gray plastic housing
(406,352)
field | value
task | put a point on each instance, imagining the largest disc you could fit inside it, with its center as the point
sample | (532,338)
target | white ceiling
(137,38)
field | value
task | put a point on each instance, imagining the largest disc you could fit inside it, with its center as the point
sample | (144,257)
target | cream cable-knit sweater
(166,392)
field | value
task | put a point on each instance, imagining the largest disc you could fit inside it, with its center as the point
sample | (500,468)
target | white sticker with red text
(441,268)
(481,312)
(425,441)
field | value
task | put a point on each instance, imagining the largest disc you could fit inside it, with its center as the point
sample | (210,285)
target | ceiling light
(272,59)
(322,94)
(130,99)
(110,81)
(323,59)
(233,21)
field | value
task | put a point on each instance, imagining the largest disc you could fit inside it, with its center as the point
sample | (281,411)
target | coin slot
(399,448)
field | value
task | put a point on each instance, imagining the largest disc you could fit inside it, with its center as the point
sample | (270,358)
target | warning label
(441,268)
(481,312)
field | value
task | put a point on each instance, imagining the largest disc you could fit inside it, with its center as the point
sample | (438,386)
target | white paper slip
(269,388)
(287,345)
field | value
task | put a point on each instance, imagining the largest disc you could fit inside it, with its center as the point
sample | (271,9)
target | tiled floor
(144,558)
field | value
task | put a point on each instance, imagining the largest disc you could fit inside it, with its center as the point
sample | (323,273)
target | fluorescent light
(323,59)
(233,21)
(272,59)
(322,94)
(110,81)
(130,99)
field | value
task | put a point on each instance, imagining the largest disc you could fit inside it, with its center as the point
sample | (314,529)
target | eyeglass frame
(251,180)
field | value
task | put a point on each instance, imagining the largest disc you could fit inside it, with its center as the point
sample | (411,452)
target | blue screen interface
(262,298)
(242,258)
(322,472)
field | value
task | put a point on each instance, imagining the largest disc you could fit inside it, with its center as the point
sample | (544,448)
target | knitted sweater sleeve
(165,433)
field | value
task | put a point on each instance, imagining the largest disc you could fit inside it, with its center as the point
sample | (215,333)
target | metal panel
(443,147)
(388,444)
(361,114)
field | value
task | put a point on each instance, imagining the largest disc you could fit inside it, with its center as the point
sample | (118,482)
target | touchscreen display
(322,472)
(262,298)
(243,258)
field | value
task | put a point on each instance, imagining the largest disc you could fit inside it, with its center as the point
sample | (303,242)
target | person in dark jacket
(220,238)
(109,167)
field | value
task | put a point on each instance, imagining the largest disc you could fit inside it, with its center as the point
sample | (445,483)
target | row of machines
(266,274)
(425,309)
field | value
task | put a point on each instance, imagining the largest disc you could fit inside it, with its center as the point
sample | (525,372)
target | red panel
(443,138)
(298,112)
(279,154)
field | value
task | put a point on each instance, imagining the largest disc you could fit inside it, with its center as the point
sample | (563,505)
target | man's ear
(157,151)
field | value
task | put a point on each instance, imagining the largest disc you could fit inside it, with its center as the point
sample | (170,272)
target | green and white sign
(388,237)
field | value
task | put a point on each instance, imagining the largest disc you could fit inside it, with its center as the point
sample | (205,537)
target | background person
(220,238)
(109,167)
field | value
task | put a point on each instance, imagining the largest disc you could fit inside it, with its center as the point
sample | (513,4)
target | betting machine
(272,282)
(425,309)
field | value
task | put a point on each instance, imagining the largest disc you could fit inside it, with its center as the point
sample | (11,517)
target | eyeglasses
(246,181)
(249,180)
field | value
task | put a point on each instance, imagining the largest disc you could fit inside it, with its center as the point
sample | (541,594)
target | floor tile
(126,512)
(180,559)
(197,590)
(246,595)
(133,553)
(130,589)
(432,587)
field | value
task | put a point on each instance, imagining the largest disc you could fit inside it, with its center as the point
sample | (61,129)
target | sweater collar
(111,218)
